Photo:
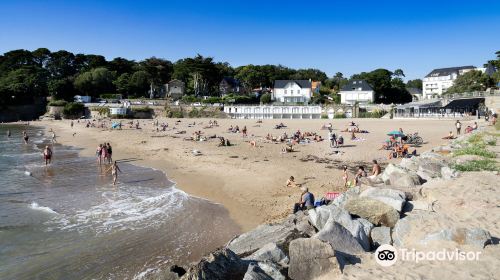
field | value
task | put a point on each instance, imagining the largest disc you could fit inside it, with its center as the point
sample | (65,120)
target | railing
(473,94)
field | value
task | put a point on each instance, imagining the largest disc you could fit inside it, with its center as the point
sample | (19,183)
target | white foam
(37,207)
(127,208)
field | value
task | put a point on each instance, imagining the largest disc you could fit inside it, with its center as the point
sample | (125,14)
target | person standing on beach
(98,154)
(26,138)
(244,131)
(47,155)
(458,124)
(114,172)
(54,137)
(345,176)
(8,133)
(72,124)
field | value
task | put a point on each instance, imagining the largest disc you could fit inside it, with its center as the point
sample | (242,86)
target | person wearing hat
(306,201)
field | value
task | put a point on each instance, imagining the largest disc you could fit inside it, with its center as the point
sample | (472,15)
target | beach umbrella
(395,133)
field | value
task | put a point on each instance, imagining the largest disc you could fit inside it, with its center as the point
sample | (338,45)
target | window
(291,91)
(298,91)
(285,91)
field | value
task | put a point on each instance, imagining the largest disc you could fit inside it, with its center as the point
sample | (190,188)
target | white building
(273,112)
(439,80)
(357,91)
(117,111)
(292,91)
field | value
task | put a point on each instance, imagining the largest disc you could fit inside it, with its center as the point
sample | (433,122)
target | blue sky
(334,36)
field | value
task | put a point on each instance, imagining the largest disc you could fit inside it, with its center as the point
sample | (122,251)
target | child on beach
(114,172)
(345,176)
(47,155)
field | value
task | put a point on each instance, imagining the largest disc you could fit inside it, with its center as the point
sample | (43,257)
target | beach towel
(332,195)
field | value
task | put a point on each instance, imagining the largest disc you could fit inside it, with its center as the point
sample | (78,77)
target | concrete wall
(493,103)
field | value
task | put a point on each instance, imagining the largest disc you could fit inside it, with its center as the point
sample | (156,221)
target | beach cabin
(120,111)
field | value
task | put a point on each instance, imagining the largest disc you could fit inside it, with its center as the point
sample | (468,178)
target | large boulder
(221,264)
(311,258)
(381,236)
(376,212)
(300,221)
(394,198)
(463,236)
(399,176)
(342,199)
(254,272)
(321,215)
(269,252)
(272,270)
(418,205)
(402,230)
(247,243)
(448,173)
(339,238)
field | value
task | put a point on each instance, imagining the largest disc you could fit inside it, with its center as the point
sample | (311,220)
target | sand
(248,181)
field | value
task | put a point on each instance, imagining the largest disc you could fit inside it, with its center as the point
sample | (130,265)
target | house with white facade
(357,91)
(273,112)
(292,91)
(439,80)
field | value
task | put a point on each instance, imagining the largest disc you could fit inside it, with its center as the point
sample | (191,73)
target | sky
(333,36)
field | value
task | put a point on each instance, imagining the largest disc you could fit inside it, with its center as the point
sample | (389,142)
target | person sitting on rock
(306,201)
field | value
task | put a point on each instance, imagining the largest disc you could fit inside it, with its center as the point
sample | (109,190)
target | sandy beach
(249,181)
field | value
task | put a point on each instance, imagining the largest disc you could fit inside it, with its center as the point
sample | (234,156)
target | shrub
(110,96)
(73,109)
(103,111)
(324,116)
(265,98)
(177,114)
(190,99)
(375,114)
(477,150)
(212,100)
(339,116)
(141,109)
(477,165)
(194,113)
(58,103)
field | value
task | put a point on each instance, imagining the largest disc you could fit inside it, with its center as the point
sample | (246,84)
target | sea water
(67,221)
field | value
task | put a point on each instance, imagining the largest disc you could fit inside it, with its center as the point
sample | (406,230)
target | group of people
(335,141)
(104,153)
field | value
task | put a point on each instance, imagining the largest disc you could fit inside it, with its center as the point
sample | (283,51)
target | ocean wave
(125,209)
(37,207)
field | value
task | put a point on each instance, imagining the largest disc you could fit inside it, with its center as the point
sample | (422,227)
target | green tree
(139,83)
(417,83)
(265,98)
(95,82)
(473,80)
(122,84)
(22,85)
(61,89)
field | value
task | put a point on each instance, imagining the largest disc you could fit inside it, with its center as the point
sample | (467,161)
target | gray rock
(381,236)
(342,199)
(254,272)
(402,230)
(399,176)
(448,173)
(269,252)
(418,205)
(300,221)
(272,270)
(409,163)
(376,212)
(463,236)
(251,241)
(429,169)
(391,197)
(325,213)
(221,264)
(339,238)
(311,258)
(367,228)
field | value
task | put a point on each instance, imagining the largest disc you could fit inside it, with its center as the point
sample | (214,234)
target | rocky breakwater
(329,239)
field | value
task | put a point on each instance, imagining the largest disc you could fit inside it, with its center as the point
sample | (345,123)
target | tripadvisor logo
(387,255)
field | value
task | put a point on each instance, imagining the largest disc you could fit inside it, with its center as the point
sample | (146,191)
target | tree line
(25,75)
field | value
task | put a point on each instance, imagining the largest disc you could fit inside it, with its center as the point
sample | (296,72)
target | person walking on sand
(244,131)
(458,124)
(114,172)
(72,124)
(47,155)
(26,138)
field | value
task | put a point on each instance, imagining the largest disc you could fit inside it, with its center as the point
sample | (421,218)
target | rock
(448,173)
(463,236)
(269,252)
(381,236)
(311,258)
(300,221)
(367,228)
(399,176)
(466,158)
(272,270)
(402,230)
(429,170)
(325,213)
(249,242)
(254,272)
(391,197)
(221,264)
(409,163)
(376,212)
(339,238)
(341,200)
(417,205)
